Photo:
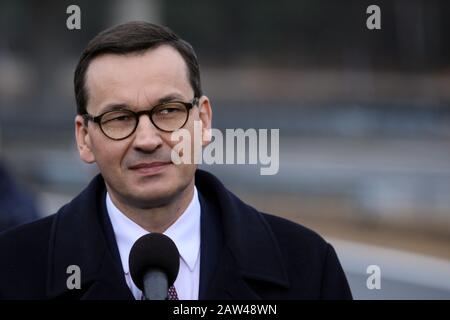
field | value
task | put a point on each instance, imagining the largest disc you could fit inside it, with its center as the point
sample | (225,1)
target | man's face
(139,81)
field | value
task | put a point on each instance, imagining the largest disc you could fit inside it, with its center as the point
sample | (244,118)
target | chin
(153,197)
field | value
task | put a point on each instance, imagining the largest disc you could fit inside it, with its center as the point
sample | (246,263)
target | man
(135,84)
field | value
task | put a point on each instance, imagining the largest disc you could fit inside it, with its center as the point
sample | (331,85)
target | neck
(160,218)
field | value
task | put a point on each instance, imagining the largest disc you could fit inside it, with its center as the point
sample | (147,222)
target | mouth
(149,168)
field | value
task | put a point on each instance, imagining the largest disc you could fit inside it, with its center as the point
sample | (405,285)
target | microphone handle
(156,285)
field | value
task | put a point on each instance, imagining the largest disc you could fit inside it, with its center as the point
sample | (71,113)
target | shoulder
(23,259)
(311,261)
(27,235)
(296,238)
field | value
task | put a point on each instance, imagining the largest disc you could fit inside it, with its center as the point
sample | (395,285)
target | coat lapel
(79,237)
(228,283)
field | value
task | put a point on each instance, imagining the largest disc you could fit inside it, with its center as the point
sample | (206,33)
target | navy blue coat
(245,254)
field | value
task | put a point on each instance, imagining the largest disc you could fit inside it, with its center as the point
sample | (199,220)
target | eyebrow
(122,106)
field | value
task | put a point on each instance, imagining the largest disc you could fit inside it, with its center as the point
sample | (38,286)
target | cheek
(108,153)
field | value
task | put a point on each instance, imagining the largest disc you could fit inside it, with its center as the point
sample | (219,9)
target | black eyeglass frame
(137,115)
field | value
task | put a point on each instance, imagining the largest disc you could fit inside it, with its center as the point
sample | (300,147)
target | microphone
(154,262)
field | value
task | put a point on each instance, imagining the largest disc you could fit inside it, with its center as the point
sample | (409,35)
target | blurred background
(364,118)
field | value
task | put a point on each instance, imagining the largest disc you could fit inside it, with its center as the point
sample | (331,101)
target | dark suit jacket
(245,254)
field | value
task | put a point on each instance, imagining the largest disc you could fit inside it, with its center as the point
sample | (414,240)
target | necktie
(171,294)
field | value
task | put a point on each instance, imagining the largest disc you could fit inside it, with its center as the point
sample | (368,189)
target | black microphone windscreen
(153,251)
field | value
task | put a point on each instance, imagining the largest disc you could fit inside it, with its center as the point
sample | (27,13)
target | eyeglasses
(120,124)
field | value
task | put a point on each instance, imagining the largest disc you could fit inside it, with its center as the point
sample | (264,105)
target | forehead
(137,79)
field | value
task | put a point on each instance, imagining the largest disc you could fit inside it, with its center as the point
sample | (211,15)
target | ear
(83,140)
(205,115)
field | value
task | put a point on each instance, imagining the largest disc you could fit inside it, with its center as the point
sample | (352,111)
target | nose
(147,136)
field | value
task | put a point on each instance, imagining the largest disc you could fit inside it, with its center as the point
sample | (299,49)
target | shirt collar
(184,232)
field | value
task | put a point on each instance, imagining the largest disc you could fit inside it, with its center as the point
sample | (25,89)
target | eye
(117,117)
(168,110)
(121,118)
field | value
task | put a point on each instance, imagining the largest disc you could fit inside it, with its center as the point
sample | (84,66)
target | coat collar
(82,235)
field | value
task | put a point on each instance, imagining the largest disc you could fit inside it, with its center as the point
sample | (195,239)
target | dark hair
(132,37)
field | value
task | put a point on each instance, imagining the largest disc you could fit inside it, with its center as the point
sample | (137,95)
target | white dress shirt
(185,232)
